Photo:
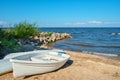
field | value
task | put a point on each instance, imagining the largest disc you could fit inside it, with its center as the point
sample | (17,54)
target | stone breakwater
(47,37)
(43,38)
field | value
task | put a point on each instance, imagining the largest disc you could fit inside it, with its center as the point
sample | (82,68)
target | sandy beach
(80,67)
(35,33)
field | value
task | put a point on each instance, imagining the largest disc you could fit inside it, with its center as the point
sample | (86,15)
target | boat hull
(22,66)
(23,69)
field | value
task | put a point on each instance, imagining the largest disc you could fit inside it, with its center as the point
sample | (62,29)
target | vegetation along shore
(26,37)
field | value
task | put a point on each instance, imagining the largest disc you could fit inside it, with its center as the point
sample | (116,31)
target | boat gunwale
(35,62)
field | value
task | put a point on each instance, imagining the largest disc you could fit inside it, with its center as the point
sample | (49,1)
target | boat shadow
(67,64)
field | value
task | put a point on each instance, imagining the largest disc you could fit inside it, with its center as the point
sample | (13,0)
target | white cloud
(2,22)
(95,22)
(79,23)
(92,22)
(111,22)
(84,23)
(76,24)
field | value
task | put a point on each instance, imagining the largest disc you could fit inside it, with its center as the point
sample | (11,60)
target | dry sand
(79,67)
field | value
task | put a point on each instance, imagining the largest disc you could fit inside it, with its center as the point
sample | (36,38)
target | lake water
(103,40)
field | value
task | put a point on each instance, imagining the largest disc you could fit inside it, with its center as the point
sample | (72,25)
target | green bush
(24,30)
(9,34)
(7,39)
(49,34)
(12,43)
(1,35)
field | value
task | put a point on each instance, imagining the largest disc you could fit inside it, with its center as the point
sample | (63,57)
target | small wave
(111,46)
(88,45)
(115,33)
(118,33)
(98,53)
(75,32)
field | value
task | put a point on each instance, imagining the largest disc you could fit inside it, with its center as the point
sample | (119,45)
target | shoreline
(81,66)
(106,55)
(115,56)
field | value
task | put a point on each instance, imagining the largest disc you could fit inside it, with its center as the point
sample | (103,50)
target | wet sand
(80,67)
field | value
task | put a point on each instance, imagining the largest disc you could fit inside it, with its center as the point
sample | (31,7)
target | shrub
(6,36)
(12,43)
(9,34)
(9,37)
(7,40)
(24,30)
(49,34)
(1,35)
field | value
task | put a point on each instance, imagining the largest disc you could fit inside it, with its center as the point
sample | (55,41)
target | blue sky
(61,13)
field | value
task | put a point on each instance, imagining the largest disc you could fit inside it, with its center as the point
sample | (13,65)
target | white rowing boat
(6,66)
(37,63)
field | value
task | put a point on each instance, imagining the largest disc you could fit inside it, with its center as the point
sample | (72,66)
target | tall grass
(24,30)
(9,38)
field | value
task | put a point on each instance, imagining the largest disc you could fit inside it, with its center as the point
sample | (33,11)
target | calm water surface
(104,40)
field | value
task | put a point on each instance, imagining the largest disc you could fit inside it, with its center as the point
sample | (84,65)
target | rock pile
(36,42)
(47,37)
(44,38)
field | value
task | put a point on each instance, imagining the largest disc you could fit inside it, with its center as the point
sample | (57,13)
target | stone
(36,38)
(28,47)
